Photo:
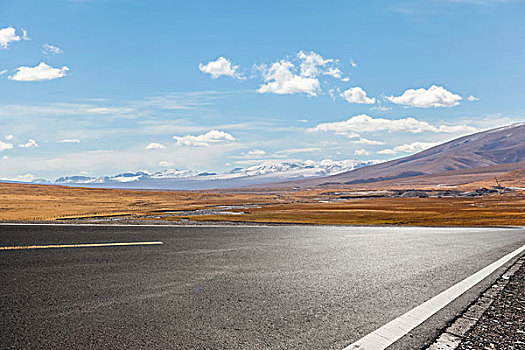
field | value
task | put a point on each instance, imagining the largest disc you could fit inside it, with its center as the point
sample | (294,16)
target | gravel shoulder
(502,326)
(495,321)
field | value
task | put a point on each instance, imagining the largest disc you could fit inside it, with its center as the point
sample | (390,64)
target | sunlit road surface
(280,287)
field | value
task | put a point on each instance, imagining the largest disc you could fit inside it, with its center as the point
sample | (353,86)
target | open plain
(23,202)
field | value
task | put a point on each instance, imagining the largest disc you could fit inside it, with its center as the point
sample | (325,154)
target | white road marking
(386,335)
(81,245)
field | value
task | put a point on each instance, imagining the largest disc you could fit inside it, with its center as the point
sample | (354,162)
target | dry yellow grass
(486,211)
(38,203)
(20,202)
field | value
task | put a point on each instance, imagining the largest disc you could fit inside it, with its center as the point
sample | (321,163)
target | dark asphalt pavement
(279,287)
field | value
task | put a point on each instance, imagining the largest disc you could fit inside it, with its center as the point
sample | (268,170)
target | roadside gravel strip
(495,321)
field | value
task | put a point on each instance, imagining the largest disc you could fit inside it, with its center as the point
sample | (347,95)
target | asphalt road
(279,287)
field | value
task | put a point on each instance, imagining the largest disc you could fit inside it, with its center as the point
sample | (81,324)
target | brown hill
(514,179)
(494,147)
(472,178)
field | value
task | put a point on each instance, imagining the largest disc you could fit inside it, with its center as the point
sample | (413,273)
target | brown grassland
(22,202)
(487,211)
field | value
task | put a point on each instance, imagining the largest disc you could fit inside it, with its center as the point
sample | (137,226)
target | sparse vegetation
(317,206)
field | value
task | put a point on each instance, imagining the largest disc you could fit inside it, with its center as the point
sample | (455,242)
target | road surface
(276,287)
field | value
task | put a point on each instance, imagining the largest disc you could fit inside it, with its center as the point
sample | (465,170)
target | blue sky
(106,86)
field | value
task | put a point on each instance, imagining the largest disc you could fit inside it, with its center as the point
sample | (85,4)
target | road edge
(454,334)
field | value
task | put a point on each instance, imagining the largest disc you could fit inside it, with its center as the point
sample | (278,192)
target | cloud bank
(365,123)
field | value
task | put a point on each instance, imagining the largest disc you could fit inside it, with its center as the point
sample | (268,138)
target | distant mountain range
(264,173)
(471,158)
(486,150)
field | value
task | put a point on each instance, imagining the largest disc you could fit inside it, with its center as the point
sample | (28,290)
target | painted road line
(388,334)
(82,245)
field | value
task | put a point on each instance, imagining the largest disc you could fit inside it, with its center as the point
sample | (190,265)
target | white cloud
(311,63)
(155,145)
(349,134)
(7,36)
(24,34)
(30,144)
(64,109)
(363,141)
(335,72)
(39,73)
(409,148)
(3,72)
(353,64)
(111,110)
(5,146)
(380,108)
(281,80)
(386,151)
(283,77)
(365,123)
(49,49)
(333,92)
(10,137)
(435,96)
(204,140)
(357,95)
(314,65)
(220,67)
(5,157)
(299,150)
(361,152)
(472,98)
(165,164)
(22,178)
(70,141)
(256,152)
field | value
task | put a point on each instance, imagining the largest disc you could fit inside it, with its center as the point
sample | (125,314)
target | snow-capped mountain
(129,177)
(190,179)
(174,174)
(308,168)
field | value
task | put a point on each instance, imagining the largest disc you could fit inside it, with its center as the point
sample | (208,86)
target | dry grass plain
(21,202)
(24,202)
(483,211)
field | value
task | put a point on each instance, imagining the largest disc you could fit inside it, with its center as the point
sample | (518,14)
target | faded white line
(81,245)
(388,334)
